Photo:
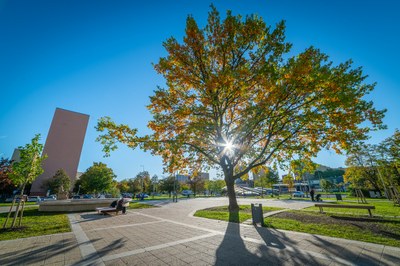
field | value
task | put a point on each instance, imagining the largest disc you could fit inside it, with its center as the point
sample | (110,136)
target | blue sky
(95,57)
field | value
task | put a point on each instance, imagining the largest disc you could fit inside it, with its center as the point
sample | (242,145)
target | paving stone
(170,236)
(117,262)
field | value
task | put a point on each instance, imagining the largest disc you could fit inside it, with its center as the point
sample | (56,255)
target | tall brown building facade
(63,147)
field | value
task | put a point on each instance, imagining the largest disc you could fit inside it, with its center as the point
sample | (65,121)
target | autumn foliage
(235,99)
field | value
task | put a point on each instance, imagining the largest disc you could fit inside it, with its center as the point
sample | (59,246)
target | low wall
(74,205)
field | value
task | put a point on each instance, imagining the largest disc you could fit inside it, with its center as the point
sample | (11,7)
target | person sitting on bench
(113,204)
(318,197)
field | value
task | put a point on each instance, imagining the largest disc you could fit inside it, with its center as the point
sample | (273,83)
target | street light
(175,197)
(142,177)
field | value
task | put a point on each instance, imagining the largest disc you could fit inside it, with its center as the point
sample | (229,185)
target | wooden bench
(105,210)
(366,207)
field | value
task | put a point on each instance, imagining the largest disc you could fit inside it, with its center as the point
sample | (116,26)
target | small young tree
(144,181)
(288,180)
(154,183)
(169,184)
(24,171)
(60,182)
(264,178)
(326,185)
(361,167)
(216,186)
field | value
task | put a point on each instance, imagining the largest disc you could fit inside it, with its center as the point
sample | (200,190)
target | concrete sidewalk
(170,235)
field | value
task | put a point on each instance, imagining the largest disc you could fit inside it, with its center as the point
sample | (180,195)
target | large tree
(235,99)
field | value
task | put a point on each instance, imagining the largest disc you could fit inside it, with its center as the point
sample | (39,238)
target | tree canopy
(25,170)
(236,100)
(374,166)
(6,185)
(60,182)
(97,179)
(169,184)
(29,165)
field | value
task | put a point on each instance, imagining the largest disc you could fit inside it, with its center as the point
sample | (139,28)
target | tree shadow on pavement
(92,259)
(350,254)
(274,247)
(87,217)
(233,250)
(39,255)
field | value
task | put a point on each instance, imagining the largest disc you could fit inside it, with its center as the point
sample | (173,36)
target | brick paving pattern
(170,235)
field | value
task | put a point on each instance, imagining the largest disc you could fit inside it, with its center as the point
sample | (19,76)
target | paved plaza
(170,235)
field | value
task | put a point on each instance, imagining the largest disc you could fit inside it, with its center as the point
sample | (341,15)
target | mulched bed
(372,224)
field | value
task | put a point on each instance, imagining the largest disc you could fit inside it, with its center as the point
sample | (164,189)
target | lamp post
(175,197)
(142,178)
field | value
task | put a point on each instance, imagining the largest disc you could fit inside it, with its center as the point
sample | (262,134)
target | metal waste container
(338,196)
(257,213)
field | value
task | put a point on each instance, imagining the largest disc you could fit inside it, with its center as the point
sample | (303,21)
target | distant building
(182,178)
(16,156)
(186,178)
(204,176)
(63,147)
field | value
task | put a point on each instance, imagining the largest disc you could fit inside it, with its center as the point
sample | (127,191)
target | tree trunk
(230,185)
(16,213)
(21,197)
(9,213)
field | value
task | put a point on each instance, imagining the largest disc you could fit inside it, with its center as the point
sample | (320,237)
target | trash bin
(257,213)
(338,196)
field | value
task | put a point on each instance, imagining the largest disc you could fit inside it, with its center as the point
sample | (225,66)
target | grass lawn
(221,213)
(9,204)
(375,230)
(138,205)
(383,208)
(35,223)
(380,230)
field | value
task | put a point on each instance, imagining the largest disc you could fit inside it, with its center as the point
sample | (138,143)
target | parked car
(87,196)
(248,193)
(299,194)
(34,199)
(76,197)
(17,199)
(142,195)
(11,199)
(49,198)
(186,193)
(126,195)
